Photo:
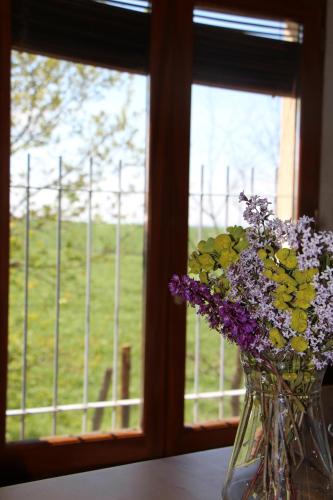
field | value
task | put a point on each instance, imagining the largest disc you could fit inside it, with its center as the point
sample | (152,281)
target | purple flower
(238,325)
(194,292)
(229,318)
(175,285)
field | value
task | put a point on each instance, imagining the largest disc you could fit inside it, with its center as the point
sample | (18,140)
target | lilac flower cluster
(327,240)
(322,328)
(256,210)
(247,283)
(229,318)
(310,245)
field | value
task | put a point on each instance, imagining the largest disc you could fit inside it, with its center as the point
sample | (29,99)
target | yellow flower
(285,288)
(281,304)
(241,245)
(266,252)
(206,246)
(194,264)
(270,264)
(228,257)
(237,232)
(305,276)
(201,246)
(268,273)
(281,293)
(206,261)
(304,296)
(299,344)
(283,277)
(287,257)
(308,290)
(238,239)
(276,337)
(299,320)
(222,242)
(262,254)
(284,296)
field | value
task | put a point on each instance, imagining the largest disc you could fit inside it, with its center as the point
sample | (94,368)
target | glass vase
(281,450)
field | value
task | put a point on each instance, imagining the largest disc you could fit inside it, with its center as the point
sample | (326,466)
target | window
(166,45)
(77,252)
(240,140)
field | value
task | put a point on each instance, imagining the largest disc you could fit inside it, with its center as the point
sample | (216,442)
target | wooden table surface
(194,476)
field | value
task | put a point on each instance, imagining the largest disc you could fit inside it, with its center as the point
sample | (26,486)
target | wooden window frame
(170,72)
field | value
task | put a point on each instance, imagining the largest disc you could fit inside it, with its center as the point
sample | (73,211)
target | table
(194,476)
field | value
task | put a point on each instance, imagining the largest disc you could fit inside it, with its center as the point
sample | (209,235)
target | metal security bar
(60,188)
(197,319)
(88,296)
(117,403)
(58,281)
(26,295)
(117,296)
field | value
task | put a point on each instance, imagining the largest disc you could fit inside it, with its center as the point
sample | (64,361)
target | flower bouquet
(269,289)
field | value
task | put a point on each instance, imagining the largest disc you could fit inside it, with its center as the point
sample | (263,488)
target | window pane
(77,263)
(239,141)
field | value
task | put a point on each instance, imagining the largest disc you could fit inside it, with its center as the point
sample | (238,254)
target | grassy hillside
(41,324)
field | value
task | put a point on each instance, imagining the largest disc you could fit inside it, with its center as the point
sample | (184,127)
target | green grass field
(41,324)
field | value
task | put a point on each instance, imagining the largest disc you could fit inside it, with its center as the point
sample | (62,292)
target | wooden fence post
(103,393)
(125,383)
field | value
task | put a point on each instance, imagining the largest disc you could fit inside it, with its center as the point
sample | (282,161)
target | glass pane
(77,243)
(239,141)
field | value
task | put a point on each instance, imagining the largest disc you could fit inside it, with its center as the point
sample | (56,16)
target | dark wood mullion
(311,101)
(5,43)
(170,101)
(181,81)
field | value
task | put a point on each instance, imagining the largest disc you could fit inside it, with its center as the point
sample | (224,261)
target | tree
(51,97)
(64,106)
(77,112)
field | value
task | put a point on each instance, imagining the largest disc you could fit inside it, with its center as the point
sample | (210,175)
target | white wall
(326,183)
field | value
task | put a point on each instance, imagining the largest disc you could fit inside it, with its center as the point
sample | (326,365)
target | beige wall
(286,171)
(326,183)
